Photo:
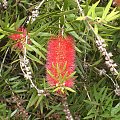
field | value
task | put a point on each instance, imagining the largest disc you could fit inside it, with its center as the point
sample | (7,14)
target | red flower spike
(60,61)
(116,2)
(19,38)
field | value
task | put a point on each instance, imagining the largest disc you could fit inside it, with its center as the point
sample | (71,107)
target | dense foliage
(25,93)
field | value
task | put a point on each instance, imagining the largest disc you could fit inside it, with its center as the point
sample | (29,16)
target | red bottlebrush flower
(116,2)
(60,61)
(20,38)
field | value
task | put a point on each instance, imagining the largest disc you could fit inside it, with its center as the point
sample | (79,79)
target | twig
(3,61)
(66,109)
(37,7)
(5,4)
(24,64)
(117,88)
(61,27)
(80,9)
(35,12)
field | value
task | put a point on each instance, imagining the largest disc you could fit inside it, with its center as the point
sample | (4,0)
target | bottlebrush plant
(61,62)
(116,2)
(24,92)
(19,38)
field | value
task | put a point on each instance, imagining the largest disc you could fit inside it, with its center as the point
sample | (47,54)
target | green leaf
(115,110)
(53,110)
(92,111)
(106,115)
(38,45)
(66,3)
(43,34)
(1,36)
(32,100)
(7,19)
(13,113)
(19,22)
(74,34)
(39,100)
(96,28)
(20,91)
(56,89)
(2,105)
(39,31)
(104,95)
(91,102)
(64,67)
(92,10)
(90,116)
(32,57)
(64,78)
(81,18)
(36,50)
(70,89)
(96,63)
(107,9)
(49,72)
(3,31)
(112,16)
(41,107)
(58,69)
(78,50)
(71,75)
(14,78)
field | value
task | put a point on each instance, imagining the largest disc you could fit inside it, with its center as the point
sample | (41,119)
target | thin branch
(87,92)
(66,109)
(117,88)
(24,64)
(35,12)
(3,61)
(5,4)
(37,7)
